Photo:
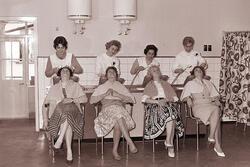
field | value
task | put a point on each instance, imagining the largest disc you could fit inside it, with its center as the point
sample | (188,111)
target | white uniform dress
(57,62)
(104,61)
(142,62)
(202,94)
(184,60)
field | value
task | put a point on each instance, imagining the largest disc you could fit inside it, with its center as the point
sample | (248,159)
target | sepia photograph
(124,83)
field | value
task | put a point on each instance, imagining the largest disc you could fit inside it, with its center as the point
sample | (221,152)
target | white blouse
(57,62)
(196,86)
(104,61)
(160,93)
(188,61)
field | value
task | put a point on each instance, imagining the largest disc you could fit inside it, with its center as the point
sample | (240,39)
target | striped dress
(67,111)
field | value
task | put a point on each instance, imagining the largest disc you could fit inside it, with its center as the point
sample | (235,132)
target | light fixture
(79,11)
(125,12)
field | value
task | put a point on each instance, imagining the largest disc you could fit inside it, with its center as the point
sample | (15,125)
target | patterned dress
(156,118)
(112,108)
(109,116)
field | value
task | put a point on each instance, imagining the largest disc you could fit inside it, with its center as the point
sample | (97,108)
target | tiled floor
(21,146)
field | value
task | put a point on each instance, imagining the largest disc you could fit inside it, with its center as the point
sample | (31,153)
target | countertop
(133,88)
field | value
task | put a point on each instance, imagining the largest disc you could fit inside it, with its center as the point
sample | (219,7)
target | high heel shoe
(69,162)
(135,150)
(220,154)
(169,147)
(56,150)
(117,157)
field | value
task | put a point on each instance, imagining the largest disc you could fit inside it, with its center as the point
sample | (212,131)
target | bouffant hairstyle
(67,67)
(113,68)
(60,40)
(151,47)
(201,68)
(187,40)
(115,43)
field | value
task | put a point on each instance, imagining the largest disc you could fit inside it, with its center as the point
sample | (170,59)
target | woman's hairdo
(150,70)
(201,68)
(60,40)
(111,68)
(187,40)
(115,43)
(67,67)
(151,47)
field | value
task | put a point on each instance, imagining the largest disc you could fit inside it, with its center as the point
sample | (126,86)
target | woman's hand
(179,70)
(56,79)
(75,78)
(189,102)
(161,102)
(140,68)
(216,101)
(109,92)
(204,65)
(68,100)
(103,79)
(55,70)
(116,94)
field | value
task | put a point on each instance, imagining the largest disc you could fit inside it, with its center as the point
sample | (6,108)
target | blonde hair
(150,70)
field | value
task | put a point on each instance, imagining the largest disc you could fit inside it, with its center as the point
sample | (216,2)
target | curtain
(235,75)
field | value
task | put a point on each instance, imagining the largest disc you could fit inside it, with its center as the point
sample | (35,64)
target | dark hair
(60,70)
(151,47)
(200,67)
(187,40)
(113,68)
(60,40)
(115,43)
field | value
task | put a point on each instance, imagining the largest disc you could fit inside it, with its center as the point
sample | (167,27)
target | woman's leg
(124,130)
(63,129)
(214,120)
(218,137)
(215,129)
(68,138)
(116,138)
(170,126)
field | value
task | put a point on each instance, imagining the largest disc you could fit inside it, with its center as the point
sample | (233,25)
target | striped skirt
(156,118)
(69,112)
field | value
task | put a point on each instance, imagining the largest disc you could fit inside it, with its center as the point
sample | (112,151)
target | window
(12,61)
(17,38)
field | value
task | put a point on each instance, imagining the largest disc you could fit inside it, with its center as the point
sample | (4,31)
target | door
(13,77)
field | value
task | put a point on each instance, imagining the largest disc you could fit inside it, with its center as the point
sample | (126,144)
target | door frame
(35,55)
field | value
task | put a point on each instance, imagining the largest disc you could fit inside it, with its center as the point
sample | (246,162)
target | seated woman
(161,111)
(203,97)
(64,99)
(113,95)
(141,65)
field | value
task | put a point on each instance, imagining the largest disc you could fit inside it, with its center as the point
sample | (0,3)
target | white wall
(163,22)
